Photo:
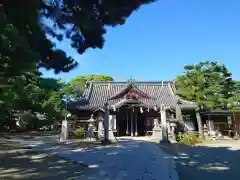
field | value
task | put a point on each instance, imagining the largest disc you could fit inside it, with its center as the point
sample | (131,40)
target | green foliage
(44,95)
(23,30)
(80,132)
(25,47)
(83,22)
(189,138)
(75,88)
(235,99)
(37,96)
(209,84)
(26,121)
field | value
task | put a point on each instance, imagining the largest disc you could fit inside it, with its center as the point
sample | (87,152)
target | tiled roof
(98,93)
(130,88)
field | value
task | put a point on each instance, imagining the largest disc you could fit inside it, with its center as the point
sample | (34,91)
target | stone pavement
(211,160)
(18,163)
(130,160)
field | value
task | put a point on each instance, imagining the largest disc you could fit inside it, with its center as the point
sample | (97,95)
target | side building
(132,104)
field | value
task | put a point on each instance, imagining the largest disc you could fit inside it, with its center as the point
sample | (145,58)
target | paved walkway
(130,160)
(18,163)
(215,160)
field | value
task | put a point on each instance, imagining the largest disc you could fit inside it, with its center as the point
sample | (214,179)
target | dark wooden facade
(224,120)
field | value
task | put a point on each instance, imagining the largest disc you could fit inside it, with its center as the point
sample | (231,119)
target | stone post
(172,130)
(100,128)
(106,123)
(108,133)
(164,124)
(111,136)
(199,122)
(64,131)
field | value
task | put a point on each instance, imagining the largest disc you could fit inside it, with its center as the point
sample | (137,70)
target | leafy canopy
(207,83)
(24,29)
(75,88)
(25,45)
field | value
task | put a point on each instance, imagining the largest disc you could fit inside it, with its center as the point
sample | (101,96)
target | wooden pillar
(127,129)
(136,122)
(132,122)
(235,125)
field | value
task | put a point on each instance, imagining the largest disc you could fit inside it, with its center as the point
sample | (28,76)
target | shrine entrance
(130,117)
(130,121)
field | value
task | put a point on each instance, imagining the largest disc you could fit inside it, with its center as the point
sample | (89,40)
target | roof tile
(97,94)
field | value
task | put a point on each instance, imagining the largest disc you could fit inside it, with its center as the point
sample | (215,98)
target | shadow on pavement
(204,162)
(126,160)
(104,162)
(18,162)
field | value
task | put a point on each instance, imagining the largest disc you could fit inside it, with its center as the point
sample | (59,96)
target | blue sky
(159,39)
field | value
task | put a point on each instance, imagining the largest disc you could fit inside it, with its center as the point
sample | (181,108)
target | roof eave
(125,90)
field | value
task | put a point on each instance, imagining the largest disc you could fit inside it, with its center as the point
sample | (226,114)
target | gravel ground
(208,161)
(17,162)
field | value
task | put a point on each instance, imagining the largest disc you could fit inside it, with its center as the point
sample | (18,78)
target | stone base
(100,135)
(90,139)
(164,141)
(157,135)
(91,136)
(106,142)
(111,137)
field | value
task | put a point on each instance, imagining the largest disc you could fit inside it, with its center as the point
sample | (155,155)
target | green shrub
(179,136)
(189,138)
(80,132)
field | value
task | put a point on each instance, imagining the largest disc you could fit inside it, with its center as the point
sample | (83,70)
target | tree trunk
(199,122)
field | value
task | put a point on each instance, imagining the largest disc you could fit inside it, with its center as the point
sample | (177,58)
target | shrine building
(133,105)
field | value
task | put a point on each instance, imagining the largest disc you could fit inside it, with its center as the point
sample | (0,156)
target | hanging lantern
(141,109)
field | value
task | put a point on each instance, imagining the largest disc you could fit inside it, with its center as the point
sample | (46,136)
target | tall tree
(235,98)
(25,25)
(23,29)
(84,21)
(208,84)
(77,85)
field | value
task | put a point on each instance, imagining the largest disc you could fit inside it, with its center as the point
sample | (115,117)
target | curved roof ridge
(173,90)
(96,94)
(126,89)
(88,91)
(133,82)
